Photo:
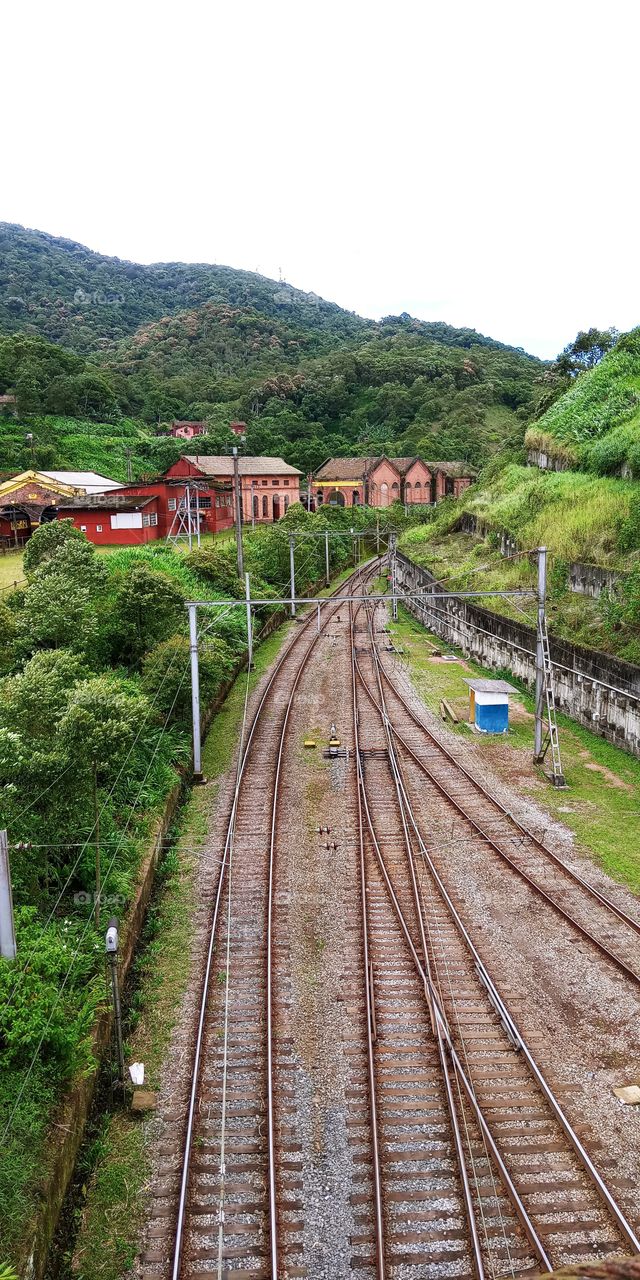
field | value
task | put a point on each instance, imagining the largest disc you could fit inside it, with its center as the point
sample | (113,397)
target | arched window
(355,498)
(276,506)
(395,489)
(286,501)
(265,507)
(384,494)
(408,496)
(256,506)
(319,497)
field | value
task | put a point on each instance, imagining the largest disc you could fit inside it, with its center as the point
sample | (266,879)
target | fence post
(7,928)
(542,595)
(292,570)
(247,590)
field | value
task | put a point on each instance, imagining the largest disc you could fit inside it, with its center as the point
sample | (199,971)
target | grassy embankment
(601,805)
(577,516)
(595,425)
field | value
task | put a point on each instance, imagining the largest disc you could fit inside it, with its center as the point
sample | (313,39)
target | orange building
(378,482)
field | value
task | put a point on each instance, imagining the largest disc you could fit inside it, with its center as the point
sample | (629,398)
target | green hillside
(595,425)
(93,338)
(576,515)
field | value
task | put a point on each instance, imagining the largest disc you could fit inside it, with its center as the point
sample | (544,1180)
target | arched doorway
(395,491)
(355,498)
(276,506)
(15,526)
(335,498)
(384,494)
(408,496)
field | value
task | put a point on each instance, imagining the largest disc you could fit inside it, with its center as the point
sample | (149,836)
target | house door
(276,506)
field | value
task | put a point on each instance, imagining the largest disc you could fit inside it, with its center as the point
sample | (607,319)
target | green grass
(10,570)
(601,806)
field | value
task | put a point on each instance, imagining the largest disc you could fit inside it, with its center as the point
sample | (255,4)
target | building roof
(105,502)
(346,468)
(188,422)
(491,686)
(90,481)
(222,465)
(454,469)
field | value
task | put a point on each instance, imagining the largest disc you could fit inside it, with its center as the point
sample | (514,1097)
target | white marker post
(542,597)
(195,691)
(327,578)
(247,591)
(7,927)
(292,569)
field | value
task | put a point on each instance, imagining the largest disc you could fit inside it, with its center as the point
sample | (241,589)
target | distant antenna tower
(280,275)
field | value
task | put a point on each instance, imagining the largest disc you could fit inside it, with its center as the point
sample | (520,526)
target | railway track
(462,1161)
(239,1173)
(518,1190)
(608,929)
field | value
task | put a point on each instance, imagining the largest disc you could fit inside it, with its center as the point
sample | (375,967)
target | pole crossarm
(355,599)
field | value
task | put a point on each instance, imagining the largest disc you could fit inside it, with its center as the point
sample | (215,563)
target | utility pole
(542,596)
(128,452)
(238,507)
(327,576)
(198,515)
(377,535)
(111,947)
(292,571)
(247,591)
(195,691)
(7,927)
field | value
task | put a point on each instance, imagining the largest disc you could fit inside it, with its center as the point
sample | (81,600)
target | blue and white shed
(489,705)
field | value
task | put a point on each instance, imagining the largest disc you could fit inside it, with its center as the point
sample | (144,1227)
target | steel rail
(197,1058)
(506,813)
(478,1261)
(524,875)
(441,1021)
(578,1147)
(373,1105)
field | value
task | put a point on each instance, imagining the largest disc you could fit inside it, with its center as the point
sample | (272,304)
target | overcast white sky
(469,162)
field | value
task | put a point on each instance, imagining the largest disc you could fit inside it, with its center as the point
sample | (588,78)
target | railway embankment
(596,689)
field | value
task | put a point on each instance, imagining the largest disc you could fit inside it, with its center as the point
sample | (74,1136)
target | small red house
(187,430)
(110,519)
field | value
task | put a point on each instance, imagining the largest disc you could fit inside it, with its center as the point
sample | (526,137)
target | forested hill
(95,338)
(85,301)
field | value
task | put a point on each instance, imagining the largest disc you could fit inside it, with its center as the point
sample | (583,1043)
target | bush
(46,542)
(166,679)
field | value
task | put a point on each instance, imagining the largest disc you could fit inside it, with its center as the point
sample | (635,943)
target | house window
(286,499)
(276,482)
(217,502)
(83,528)
(285,481)
(205,503)
(171,504)
(265,505)
(149,520)
(98,528)
(265,481)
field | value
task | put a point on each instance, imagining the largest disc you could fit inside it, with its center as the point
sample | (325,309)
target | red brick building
(378,482)
(268,485)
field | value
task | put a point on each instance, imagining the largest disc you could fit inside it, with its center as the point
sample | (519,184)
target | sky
(469,162)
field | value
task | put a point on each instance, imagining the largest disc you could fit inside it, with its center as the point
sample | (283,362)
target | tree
(165,673)
(586,350)
(65,600)
(98,728)
(47,540)
(148,606)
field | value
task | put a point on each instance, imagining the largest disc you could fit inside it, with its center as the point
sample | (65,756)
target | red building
(268,485)
(110,519)
(134,514)
(187,430)
(378,482)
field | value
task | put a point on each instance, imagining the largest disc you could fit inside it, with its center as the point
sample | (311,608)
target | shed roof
(222,465)
(88,480)
(106,502)
(403,464)
(491,686)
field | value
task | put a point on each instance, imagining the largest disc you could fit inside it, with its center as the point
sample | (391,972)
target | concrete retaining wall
(591,579)
(600,692)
